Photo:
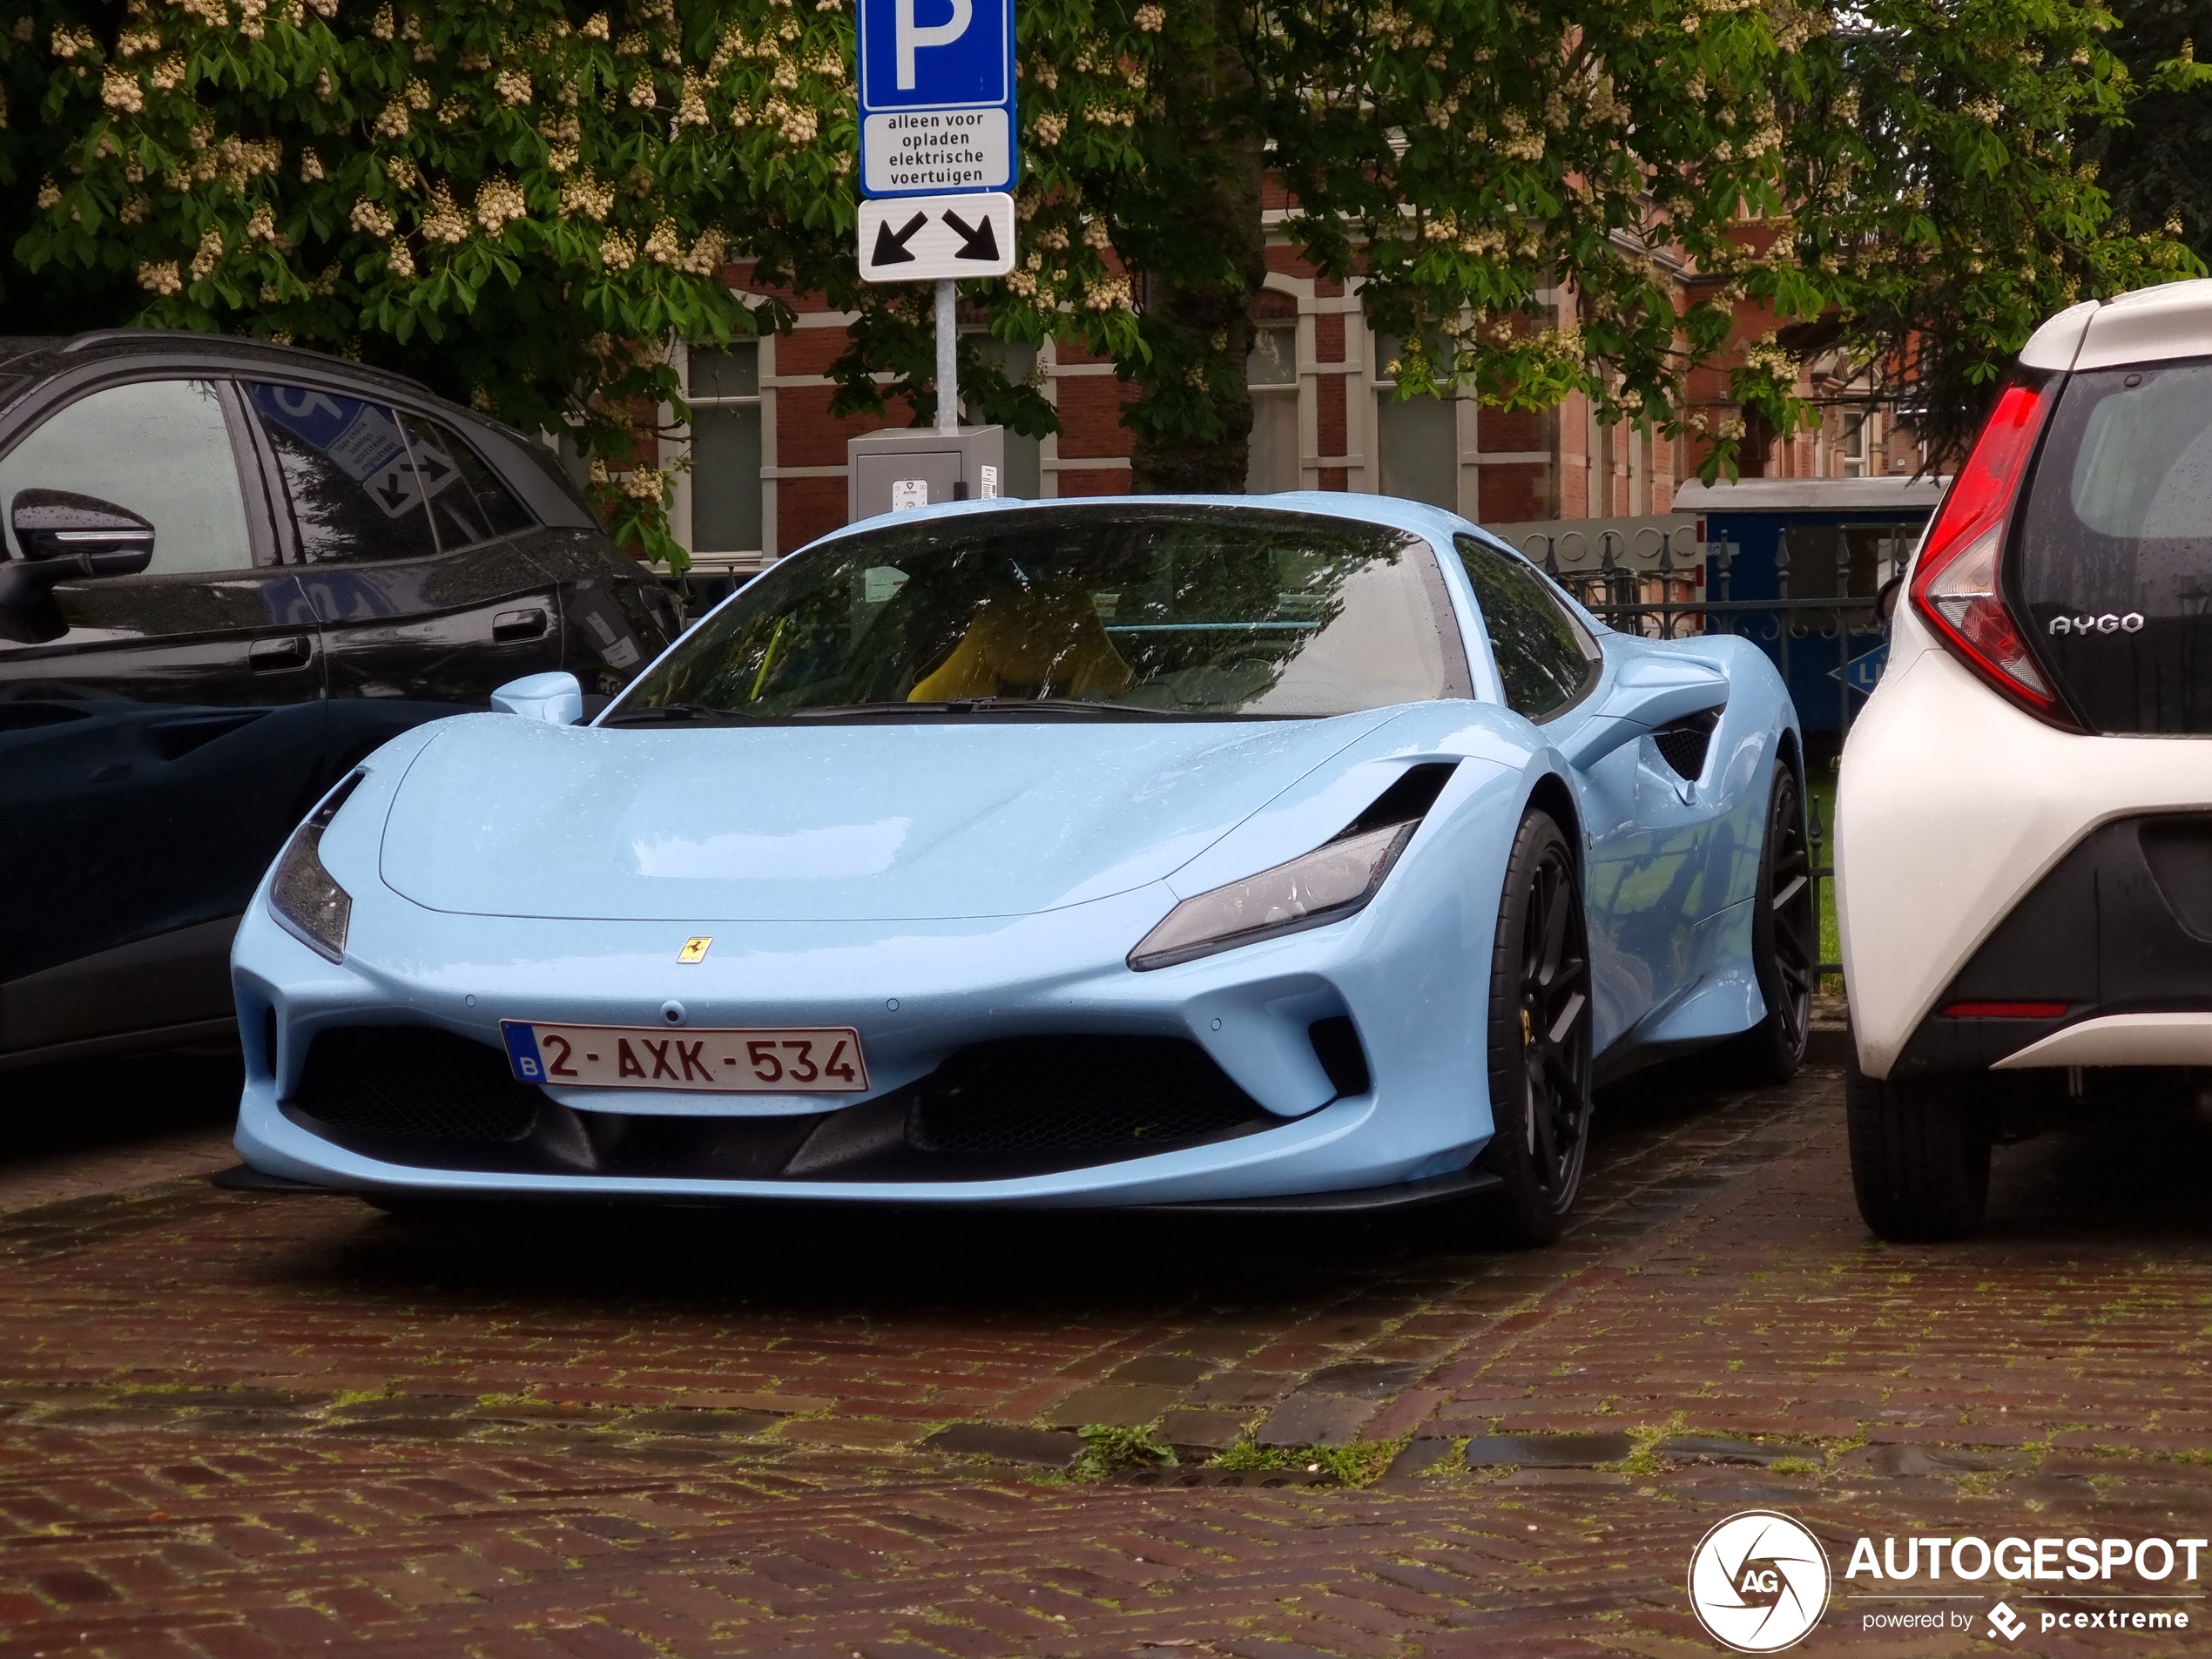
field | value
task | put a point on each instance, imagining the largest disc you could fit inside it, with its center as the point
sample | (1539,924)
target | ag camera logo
(1758,1582)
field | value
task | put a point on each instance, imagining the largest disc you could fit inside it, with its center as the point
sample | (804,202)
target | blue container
(1826,545)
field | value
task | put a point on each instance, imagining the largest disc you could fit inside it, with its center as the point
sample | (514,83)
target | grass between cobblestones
(1109,1451)
(1360,1463)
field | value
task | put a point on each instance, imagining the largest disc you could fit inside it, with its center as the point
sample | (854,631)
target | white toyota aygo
(2024,821)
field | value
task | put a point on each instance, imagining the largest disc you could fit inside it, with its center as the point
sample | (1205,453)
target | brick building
(768,459)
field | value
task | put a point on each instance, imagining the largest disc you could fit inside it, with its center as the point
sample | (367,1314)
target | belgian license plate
(764,1060)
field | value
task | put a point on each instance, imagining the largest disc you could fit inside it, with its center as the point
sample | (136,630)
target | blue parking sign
(935,54)
(937,96)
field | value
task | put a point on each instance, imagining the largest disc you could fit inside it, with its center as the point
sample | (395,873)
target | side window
(467,502)
(159,448)
(1544,656)
(353,489)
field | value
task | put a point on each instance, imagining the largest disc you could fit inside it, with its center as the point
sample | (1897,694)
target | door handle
(275,655)
(510,625)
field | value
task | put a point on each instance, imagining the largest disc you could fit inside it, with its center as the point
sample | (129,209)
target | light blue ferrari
(1307,853)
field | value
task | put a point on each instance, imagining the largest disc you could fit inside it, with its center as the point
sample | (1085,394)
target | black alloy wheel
(1540,1035)
(1785,941)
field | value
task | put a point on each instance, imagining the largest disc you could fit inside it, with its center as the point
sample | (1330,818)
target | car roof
(2145,326)
(40,356)
(26,362)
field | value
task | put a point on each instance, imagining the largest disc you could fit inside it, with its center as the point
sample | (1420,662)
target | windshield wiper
(665,714)
(1017,706)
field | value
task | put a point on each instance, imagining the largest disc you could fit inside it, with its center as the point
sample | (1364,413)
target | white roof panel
(2149,326)
(1897,494)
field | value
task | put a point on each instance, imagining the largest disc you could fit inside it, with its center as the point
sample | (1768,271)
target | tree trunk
(1199,306)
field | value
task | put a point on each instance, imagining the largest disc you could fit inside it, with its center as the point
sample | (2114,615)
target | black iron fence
(1654,585)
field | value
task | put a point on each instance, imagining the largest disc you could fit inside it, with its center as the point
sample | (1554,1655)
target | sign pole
(934,82)
(948,360)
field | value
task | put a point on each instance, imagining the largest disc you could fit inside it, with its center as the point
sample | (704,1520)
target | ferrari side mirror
(556,698)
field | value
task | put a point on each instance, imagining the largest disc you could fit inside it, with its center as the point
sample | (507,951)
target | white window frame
(1382,385)
(1858,425)
(739,561)
(1043,372)
(1299,390)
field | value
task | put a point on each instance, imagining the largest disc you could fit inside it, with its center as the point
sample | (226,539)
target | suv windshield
(1119,613)
(2115,564)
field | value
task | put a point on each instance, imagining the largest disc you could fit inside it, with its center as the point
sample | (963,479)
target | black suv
(232,571)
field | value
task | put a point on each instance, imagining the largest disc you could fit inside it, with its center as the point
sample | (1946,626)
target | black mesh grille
(412,1083)
(418,1095)
(1048,1095)
(1682,745)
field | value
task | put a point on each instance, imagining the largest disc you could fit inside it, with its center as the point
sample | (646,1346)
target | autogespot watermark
(1759,1583)
(2146,1584)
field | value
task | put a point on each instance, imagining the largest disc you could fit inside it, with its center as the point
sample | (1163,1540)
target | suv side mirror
(64,537)
(79,536)
(555,697)
(1649,693)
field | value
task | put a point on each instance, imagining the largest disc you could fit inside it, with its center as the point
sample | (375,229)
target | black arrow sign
(394,493)
(432,468)
(977,241)
(892,249)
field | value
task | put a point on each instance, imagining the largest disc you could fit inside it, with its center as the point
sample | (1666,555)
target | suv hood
(900,821)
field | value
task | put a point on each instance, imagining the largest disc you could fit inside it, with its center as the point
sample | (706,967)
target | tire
(1785,943)
(1540,1023)
(1919,1156)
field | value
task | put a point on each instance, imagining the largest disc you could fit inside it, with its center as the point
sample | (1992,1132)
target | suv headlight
(303,896)
(1326,885)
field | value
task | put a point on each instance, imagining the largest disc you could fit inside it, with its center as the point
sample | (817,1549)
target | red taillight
(2005,1011)
(1956,586)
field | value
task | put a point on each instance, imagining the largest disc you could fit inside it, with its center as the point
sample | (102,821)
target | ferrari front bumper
(1402,1102)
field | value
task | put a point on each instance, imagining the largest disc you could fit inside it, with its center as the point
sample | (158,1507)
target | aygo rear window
(2114,568)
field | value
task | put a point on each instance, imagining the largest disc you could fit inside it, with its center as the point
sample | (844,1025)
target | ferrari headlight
(1326,884)
(306,898)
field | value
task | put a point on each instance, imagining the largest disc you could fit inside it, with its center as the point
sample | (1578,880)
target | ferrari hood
(503,816)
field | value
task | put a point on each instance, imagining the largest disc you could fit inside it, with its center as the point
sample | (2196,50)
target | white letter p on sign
(910,36)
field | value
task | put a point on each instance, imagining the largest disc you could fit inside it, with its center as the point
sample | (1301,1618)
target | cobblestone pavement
(233,1424)
(110,1128)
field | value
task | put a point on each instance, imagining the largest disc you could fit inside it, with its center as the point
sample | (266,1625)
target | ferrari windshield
(1135,612)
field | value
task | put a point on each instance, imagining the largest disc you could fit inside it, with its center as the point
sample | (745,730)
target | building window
(1271,371)
(723,389)
(1417,440)
(1024,472)
(1853,452)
